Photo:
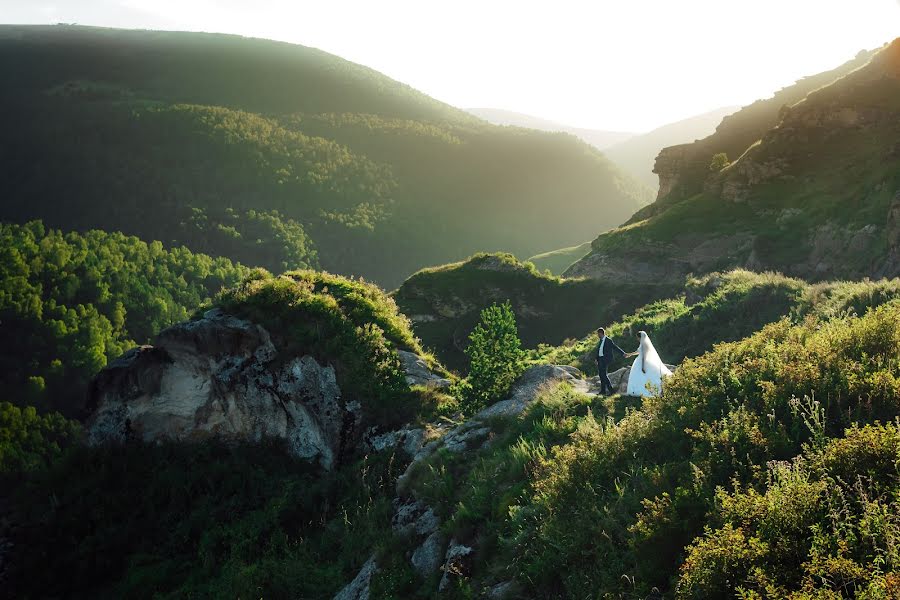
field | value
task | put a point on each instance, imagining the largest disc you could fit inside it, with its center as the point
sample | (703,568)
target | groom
(606,353)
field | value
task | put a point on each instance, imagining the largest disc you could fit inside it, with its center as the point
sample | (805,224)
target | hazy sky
(629,65)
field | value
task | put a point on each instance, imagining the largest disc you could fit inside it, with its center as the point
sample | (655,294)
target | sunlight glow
(626,66)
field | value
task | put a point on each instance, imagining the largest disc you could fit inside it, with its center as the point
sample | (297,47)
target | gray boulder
(358,589)
(218,376)
(417,371)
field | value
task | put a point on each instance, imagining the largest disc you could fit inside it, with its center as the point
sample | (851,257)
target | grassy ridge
(725,307)
(807,194)
(445,302)
(557,261)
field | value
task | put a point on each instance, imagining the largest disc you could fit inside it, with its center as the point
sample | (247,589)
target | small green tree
(496,357)
(719,161)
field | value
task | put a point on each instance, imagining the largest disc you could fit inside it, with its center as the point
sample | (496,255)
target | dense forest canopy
(279,156)
(71,302)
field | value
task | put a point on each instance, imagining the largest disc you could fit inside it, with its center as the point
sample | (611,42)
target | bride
(647,371)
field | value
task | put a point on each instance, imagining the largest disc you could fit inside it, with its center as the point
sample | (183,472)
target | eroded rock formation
(224,377)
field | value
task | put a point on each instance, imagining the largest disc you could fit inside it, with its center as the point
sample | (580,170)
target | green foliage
(548,309)
(793,173)
(29,441)
(495,355)
(71,302)
(196,520)
(608,498)
(279,156)
(826,521)
(724,307)
(624,498)
(351,324)
(719,161)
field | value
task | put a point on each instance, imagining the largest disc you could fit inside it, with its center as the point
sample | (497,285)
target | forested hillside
(71,302)
(807,183)
(279,156)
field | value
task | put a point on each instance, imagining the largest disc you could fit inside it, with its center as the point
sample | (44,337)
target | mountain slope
(595,137)
(816,193)
(279,155)
(636,155)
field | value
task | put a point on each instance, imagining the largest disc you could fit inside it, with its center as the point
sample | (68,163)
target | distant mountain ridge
(279,155)
(637,154)
(806,182)
(597,138)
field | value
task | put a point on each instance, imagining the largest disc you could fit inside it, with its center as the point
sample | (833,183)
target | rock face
(221,376)
(670,163)
(417,371)
(358,589)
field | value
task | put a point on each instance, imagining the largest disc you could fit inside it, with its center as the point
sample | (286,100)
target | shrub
(496,356)
(29,441)
(719,161)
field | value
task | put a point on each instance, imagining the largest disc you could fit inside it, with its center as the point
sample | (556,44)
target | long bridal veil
(647,382)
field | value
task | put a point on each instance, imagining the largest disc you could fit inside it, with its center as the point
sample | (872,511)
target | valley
(269,331)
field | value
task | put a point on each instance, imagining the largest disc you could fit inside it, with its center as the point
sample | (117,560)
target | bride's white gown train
(646,381)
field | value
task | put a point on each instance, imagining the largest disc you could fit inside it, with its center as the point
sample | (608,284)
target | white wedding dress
(646,381)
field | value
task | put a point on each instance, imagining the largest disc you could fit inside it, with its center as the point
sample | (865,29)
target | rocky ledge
(220,376)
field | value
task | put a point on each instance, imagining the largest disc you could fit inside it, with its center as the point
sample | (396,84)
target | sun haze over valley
(409,300)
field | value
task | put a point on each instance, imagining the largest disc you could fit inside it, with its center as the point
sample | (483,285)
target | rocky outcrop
(358,589)
(418,372)
(222,376)
(670,164)
(457,563)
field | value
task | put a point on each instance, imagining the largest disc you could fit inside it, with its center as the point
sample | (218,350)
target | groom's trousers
(605,383)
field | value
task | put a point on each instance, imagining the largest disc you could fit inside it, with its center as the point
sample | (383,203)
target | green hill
(210,519)
(815,194)
(279,155)
(444,303)
(726,307)
(710,490)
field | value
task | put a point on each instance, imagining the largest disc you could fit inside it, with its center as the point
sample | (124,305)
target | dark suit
(610,351)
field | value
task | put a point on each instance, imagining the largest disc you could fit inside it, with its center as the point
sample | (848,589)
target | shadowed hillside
(279,155)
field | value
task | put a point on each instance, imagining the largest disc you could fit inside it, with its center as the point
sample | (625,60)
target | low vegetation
(445,302)
(761,470)
(198,521)
(724,307)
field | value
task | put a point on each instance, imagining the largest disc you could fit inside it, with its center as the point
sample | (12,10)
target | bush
(719,161)
(29,441)
(827,521)
(496,356)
